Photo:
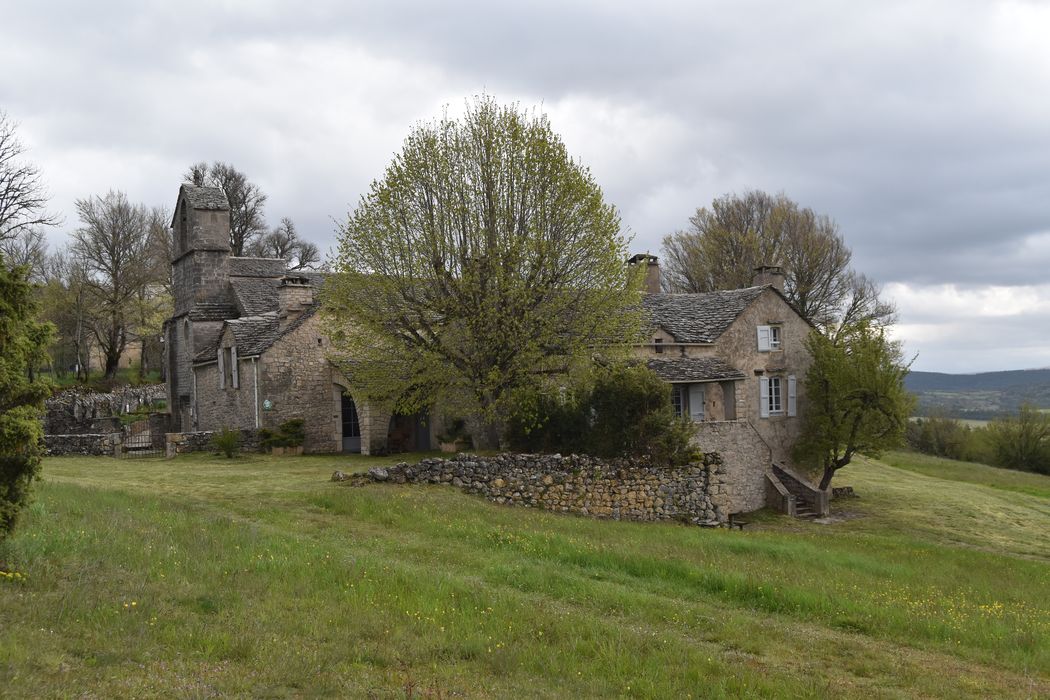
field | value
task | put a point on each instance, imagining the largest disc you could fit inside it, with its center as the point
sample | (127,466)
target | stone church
(246,348)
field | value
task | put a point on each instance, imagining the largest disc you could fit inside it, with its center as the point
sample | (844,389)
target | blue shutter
(234,377)
(763,397)
(792,405)
(696,402)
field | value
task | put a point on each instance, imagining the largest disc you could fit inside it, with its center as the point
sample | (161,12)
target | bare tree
(284,242)
(23,198)
(724,244)
(112,244)
(66,303)
(27,249)
(247,221)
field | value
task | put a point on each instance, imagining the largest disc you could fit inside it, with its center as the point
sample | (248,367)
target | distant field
(205,577)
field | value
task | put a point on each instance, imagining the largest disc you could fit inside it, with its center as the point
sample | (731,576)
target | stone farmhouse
(246,349)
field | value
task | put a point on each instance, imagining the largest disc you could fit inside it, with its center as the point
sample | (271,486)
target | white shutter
(792,407)
(763,338)
(763,396)
(222,371)
(696,402)
(234,377)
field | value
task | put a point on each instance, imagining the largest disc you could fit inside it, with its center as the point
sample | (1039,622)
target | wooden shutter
(763,397)
(763,338)
(696,402)
(222,371)
(792,407)
(234,378)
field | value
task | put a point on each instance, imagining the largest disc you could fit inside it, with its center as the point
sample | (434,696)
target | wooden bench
(736,522)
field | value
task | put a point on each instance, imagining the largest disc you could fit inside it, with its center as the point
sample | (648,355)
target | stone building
(245,347)
(736,360)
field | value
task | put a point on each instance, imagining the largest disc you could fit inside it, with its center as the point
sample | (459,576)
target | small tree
(483,258)
(23,341)
(856,399)
(1022,441)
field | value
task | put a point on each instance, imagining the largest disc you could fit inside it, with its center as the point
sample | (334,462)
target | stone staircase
(795,496)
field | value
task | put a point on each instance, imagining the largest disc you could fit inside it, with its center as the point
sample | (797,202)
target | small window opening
(659,343)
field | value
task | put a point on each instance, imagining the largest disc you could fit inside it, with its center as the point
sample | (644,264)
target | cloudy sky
(922,128)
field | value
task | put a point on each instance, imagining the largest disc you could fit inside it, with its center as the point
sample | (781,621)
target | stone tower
(200,286)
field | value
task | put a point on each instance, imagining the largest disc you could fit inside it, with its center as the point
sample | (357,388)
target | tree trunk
(825,481)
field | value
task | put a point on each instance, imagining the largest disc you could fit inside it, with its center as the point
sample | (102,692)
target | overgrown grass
(259,577)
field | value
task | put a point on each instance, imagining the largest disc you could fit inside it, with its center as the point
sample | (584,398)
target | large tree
(22,351)
(483,258)
(247,201)
(856,399)
(23,197)
(112,244)
(726,242)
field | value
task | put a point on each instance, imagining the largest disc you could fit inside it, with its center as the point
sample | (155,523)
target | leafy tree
(22,351)
(1022,441)
(284,242)
(483,258)
(113,246)
(856,399)
(725,243)
(247,201)
(622,410)
(23,198)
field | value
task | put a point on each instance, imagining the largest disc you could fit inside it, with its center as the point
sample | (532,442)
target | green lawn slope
(258,577)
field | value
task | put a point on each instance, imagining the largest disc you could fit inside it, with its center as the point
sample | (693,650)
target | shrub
(624,411)
(290,433)
(227,441)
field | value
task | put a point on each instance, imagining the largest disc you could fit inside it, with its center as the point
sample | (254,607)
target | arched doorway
(351,424)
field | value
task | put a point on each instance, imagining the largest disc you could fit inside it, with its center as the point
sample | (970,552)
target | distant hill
(985,395)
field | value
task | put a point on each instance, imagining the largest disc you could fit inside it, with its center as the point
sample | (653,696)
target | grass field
(258,577)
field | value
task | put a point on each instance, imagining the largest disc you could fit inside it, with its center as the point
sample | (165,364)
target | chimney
(294,295)
(652,271)
(769,274)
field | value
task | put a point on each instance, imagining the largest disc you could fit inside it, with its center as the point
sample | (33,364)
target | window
(774,337)
(774,396)
(659,345)
(769,338)
(676,399)
(771,396)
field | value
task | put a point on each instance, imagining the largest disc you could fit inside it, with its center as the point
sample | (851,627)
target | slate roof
(213,311)
(211,198)
(253,335)
(694,369)
(257,267)
(255,295)
(698,318)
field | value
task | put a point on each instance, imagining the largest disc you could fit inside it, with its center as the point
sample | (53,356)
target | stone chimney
(769,274)
(294,295)
(652,271)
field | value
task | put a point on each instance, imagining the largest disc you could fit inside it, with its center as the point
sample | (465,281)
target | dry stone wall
(616,489)
(79,411)
(80,444)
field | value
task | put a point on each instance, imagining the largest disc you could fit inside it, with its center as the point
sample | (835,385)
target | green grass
(994,477)
(259,577)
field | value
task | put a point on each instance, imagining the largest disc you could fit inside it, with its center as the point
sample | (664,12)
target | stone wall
(616,489)
(80,444)
(82,411)
(745,460)
(180,443)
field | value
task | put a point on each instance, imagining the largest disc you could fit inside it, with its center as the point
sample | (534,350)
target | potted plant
(286,440)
